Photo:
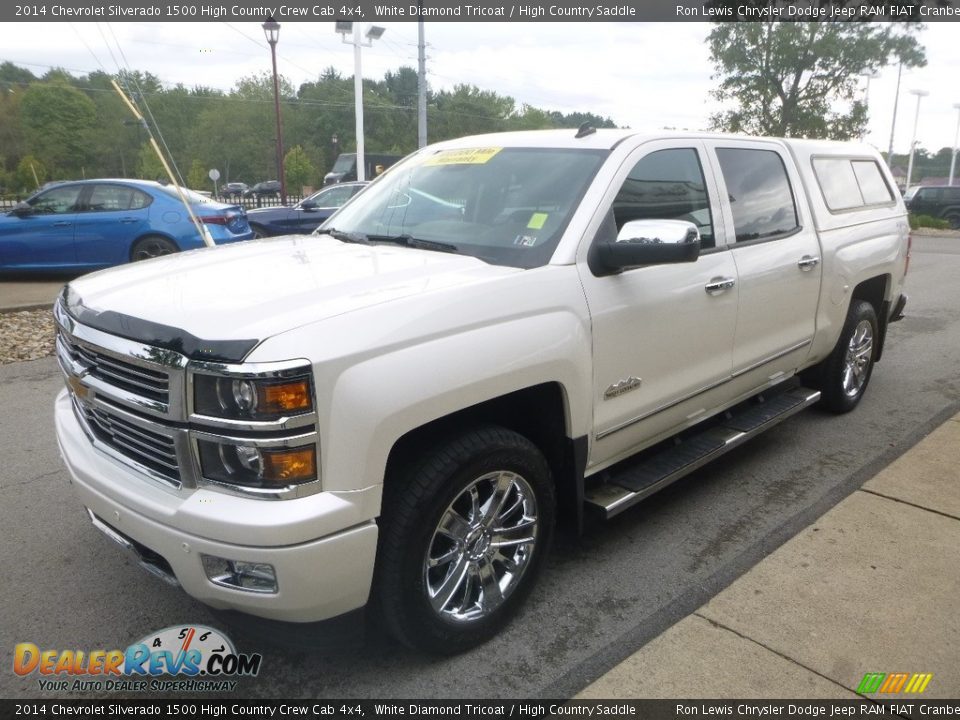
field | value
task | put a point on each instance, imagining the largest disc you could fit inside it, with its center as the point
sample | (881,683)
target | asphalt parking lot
(603,596)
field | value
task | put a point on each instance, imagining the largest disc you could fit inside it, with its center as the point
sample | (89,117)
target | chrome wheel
(481,547)
(856,368)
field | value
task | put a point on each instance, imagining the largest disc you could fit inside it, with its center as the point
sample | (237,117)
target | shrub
(926,221)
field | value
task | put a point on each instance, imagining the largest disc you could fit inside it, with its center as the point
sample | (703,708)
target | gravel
(26,335)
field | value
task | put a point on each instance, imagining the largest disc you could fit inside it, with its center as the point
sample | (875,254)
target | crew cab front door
(662,334)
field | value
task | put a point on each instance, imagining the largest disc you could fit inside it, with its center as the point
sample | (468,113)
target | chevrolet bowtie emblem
(79,389)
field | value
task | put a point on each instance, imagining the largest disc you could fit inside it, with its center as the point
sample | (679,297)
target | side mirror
(646,242)
(22,209)
(309,205)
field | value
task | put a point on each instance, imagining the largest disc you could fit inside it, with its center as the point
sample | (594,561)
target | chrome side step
(631,482)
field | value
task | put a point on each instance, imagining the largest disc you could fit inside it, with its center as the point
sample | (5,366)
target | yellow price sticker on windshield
(537,221)
(467,156)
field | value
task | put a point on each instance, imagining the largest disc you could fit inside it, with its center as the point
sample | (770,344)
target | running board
(633,482)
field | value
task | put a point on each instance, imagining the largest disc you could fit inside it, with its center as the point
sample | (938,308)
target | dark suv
(267,187)
(939,201)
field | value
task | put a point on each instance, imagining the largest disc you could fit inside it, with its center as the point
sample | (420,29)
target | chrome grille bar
(130,441)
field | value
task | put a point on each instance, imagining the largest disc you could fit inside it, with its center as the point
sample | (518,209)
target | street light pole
(373,33)
(271,28)
(893,123)
(913,143)
(956,137)
(866,97)
(358,103)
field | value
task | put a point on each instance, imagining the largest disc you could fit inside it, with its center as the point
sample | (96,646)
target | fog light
(240,575)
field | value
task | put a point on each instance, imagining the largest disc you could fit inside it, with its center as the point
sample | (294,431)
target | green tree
(30,174)
(58,121)
(801,78)
(197,178)
(149,166)
(298,169)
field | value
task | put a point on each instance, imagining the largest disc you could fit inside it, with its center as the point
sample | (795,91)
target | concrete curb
(811,610)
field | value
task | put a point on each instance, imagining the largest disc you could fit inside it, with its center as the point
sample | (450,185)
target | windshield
(506,206)
(344,163)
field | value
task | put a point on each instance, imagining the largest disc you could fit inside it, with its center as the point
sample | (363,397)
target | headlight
(257,467)
(241,398)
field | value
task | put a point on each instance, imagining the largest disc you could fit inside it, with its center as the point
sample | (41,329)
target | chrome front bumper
(322,547)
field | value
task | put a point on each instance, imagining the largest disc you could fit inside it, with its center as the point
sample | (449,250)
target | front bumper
(322,547)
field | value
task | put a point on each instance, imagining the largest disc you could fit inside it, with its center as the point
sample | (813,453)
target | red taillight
(906,265)
(214,220)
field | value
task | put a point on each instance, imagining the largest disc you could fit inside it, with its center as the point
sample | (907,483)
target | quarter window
(759,193)
(667,185)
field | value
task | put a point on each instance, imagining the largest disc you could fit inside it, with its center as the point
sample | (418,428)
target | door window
(56,201)
(116,197)
(759,192)
(334,197)
(667,185)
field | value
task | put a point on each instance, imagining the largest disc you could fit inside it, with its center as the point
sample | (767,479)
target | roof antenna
(584,130)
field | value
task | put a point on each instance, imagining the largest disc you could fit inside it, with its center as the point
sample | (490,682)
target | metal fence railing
(248,203)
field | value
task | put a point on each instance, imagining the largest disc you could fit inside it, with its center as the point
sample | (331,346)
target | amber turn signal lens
(290,466)
(285,397)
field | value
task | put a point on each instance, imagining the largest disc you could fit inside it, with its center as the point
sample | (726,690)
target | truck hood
(219,303)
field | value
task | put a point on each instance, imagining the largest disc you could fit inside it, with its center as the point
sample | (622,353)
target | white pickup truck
(499,332)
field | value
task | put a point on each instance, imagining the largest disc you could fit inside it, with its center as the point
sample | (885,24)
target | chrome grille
(137,379)
(135,442)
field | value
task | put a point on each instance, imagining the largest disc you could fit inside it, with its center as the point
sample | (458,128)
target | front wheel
(462,539)
(845,373)
(258,232)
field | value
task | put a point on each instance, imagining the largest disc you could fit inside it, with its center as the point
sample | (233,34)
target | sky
(646,76)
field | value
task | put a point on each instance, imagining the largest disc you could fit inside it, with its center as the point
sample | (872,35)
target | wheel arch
(875,290)
(152,233)
(539,413)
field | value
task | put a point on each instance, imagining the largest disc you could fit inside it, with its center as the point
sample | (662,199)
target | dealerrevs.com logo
(176,659)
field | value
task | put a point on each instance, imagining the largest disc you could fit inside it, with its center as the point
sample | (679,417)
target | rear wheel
(463,537)
(844,375)
(152,246)
(953,218)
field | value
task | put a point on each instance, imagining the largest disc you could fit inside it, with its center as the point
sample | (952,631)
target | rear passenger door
(112,217)
(777,255)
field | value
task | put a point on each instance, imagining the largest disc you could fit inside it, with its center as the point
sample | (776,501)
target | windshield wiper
(348,237)
(411,241)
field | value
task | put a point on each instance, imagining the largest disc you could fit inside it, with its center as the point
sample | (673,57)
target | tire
(152,246)
(953,218)
(442,583)
(844,375)
(258,232)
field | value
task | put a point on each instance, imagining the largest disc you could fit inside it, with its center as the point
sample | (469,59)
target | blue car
(91,224)
(304,217)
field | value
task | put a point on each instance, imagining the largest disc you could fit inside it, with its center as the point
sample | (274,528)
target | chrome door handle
(808,262)
(718,285)
(63,223)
